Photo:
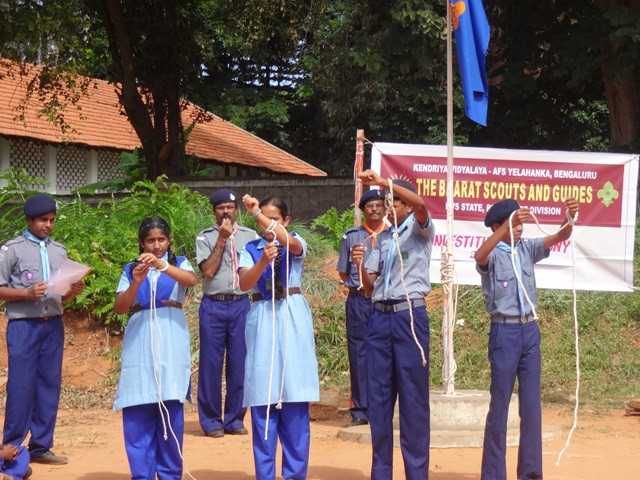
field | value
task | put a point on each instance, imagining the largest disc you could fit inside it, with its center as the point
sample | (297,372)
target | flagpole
(357,169)
(448,321)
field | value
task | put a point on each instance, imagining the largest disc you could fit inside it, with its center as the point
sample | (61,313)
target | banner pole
(357,169)
(448,321)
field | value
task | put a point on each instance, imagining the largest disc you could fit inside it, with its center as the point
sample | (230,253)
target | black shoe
(50,458)
(355,422)
(237,431)
(28,473)
(219,433)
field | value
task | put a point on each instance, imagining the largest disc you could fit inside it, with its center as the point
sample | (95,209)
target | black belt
(398,306)
(226,297)
(515,319)
(40,319)
(360,292)
(164,304)
(280,294)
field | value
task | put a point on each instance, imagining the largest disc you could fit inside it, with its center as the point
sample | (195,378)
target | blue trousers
(33,388)
(17,467)
(148,452)
(291,426)
(514,351)
(359,310)
(395,369)
(221,330)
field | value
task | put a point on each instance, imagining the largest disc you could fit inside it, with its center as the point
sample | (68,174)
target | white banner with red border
(603,183)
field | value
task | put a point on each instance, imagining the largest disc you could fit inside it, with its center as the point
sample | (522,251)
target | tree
(148,48)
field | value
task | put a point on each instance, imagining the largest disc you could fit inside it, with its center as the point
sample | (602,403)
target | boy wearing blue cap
(223,313)
(35,333)
(358,306)
(514,339)
(398,332)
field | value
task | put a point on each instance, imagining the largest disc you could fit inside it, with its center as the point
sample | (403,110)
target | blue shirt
(150,347)
(502,295)
(354,236)
(415,246)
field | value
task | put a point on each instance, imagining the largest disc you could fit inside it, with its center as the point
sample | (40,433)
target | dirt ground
(604,448)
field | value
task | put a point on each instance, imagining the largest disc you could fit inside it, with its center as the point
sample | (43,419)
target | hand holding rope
(571,217)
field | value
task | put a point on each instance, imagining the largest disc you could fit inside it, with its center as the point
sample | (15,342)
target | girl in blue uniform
(281,373)
(156,358)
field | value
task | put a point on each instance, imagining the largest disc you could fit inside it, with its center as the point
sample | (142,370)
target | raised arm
(415,201)
(211,265)
(183,277)
(499,234)
(264,222)
(565,231)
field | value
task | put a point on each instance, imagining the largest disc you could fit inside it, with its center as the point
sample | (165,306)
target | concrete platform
(457,421)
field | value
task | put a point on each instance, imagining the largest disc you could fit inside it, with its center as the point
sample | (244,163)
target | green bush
(332,224)
(104,236)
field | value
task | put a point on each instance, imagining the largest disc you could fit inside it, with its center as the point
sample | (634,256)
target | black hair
(278,203)
(148,224)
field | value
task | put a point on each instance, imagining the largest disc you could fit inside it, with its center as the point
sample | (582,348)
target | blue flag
(472,34)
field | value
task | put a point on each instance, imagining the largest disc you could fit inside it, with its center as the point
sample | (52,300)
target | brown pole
(357,169)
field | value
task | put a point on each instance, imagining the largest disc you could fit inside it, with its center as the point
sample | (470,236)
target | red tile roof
(96,120)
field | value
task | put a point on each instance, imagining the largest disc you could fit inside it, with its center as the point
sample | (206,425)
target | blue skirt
(294,349)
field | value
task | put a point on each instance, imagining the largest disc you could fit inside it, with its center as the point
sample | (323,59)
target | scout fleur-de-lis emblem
(457,10)
(608,194)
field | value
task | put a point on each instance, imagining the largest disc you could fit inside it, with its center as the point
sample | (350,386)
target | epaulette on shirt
(350,231)
(206,230)
(15,241)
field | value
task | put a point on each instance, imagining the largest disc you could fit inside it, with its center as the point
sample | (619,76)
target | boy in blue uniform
(223,313)
(358,305)
(35,333)
(395,364)
(514,339)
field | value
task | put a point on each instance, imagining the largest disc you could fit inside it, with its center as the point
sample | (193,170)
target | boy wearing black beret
(35,333)
(514,339)
(358,305)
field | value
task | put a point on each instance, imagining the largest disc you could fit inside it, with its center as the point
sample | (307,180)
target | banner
(604,184)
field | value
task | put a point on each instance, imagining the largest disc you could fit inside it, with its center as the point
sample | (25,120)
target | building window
(71,168)
(29,155)
(109,165)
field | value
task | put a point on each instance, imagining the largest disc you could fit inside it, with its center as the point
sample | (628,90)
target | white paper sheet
(68,273)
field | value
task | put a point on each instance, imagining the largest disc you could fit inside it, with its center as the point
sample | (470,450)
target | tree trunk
(157,122)
(621,87)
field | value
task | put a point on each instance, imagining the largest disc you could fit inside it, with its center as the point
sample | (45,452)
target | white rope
(156,373)
(448,278)
(574,425)
(360,269)
(402,281)
(286,324)
(570,222)
(271,229)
